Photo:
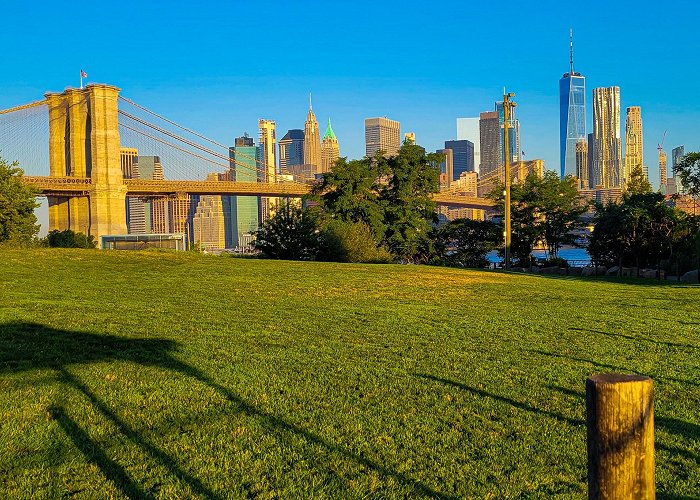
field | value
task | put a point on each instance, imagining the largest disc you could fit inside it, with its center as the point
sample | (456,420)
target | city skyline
(222,101)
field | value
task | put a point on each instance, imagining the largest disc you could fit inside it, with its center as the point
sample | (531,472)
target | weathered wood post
(620,421)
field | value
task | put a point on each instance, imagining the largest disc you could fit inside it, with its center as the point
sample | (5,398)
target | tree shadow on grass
(637,338)
(30,346)
(503,399)
(616,369)
(682,428)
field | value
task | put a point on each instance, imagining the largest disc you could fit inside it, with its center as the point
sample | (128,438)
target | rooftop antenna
(571,51)
(310,106)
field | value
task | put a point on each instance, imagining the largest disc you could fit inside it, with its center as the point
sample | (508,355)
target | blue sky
(218,67)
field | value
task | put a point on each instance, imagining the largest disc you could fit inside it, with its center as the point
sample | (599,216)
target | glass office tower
(572,115)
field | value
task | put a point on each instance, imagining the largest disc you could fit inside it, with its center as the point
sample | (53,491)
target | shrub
(351,242)
(69,239)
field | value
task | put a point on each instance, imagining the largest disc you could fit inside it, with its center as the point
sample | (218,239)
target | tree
(70,239)
(391,195)
(465,242)
(638,183)
(544,209)
(688,169)
(291,233)
(350,193)
(559,208)
(409,209)
(17,204)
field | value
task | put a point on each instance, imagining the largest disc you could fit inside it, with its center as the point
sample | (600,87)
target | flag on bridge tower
(82,75)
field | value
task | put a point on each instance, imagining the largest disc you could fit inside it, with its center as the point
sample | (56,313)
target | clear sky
(219,66)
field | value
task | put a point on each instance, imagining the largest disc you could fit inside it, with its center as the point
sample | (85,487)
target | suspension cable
(23,106)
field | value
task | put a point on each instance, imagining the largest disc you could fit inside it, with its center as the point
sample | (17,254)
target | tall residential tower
(607,164)
(634,158)
(572,115)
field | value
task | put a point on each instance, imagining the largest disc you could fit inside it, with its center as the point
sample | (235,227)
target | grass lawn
(178,375)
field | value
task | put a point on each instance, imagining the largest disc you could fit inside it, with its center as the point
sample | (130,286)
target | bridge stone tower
(84,142)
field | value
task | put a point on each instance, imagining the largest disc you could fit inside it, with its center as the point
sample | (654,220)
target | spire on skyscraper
(329,131)
(571,51)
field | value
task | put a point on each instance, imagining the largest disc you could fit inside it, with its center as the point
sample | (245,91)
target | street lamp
(507,105)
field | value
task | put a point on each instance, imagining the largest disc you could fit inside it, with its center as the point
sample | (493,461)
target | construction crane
(661,145)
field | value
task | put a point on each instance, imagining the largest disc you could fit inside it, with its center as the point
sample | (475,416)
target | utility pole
(507,105)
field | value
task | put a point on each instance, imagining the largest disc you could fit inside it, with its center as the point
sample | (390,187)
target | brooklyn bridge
(77,148)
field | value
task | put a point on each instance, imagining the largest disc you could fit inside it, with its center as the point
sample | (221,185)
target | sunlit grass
(179,375)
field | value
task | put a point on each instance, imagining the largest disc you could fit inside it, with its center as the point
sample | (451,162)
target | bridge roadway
(142,188)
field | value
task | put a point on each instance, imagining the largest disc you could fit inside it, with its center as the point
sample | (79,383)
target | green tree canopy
(70,239)
(291,233)
(17,203)
(465,242)
(688,169)
(391,195)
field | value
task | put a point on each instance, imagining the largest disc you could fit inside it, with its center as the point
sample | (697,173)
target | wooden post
(620,421)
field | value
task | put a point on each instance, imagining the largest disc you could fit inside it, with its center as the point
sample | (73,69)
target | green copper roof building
(330,150)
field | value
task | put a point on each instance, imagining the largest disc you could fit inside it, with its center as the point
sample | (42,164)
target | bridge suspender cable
(23,106)
(186,141)
(171,122)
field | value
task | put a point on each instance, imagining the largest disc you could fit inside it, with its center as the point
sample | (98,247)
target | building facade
(513,135)
(382,134)
(330,149)
(662,171)
(676,157)
(572,119)
(209,230)
(607,160)
(241,212)
(634,151)
(468,128)
(489,143)
(582,164)
(463,156)
(291,149)
(312,142)
(446,169)
(267,158)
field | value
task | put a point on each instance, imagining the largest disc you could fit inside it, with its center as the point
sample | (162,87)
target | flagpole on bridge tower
(82,75)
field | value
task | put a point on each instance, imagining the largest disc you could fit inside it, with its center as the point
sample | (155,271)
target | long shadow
(684,429)
(93,453)
(28,346)
(639,339)
(617,369)
(512,402)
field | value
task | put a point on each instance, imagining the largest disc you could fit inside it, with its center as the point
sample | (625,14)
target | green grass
(178,375)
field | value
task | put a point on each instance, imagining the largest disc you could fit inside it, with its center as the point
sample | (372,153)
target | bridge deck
(79,186)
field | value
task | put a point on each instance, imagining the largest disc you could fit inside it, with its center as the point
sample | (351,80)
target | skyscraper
(634,160)
(582,164)
(382,134)
(241,212)
(572,114)
(468,128)
(267,161)
(139,216)
(489,143)
(208,223)
(267,158)
(446,168)
(662,171)
(606,136)
(513,135)
(292,149)
(676,157)
(312,141)
(330,149)
(591,162)
(463,157)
